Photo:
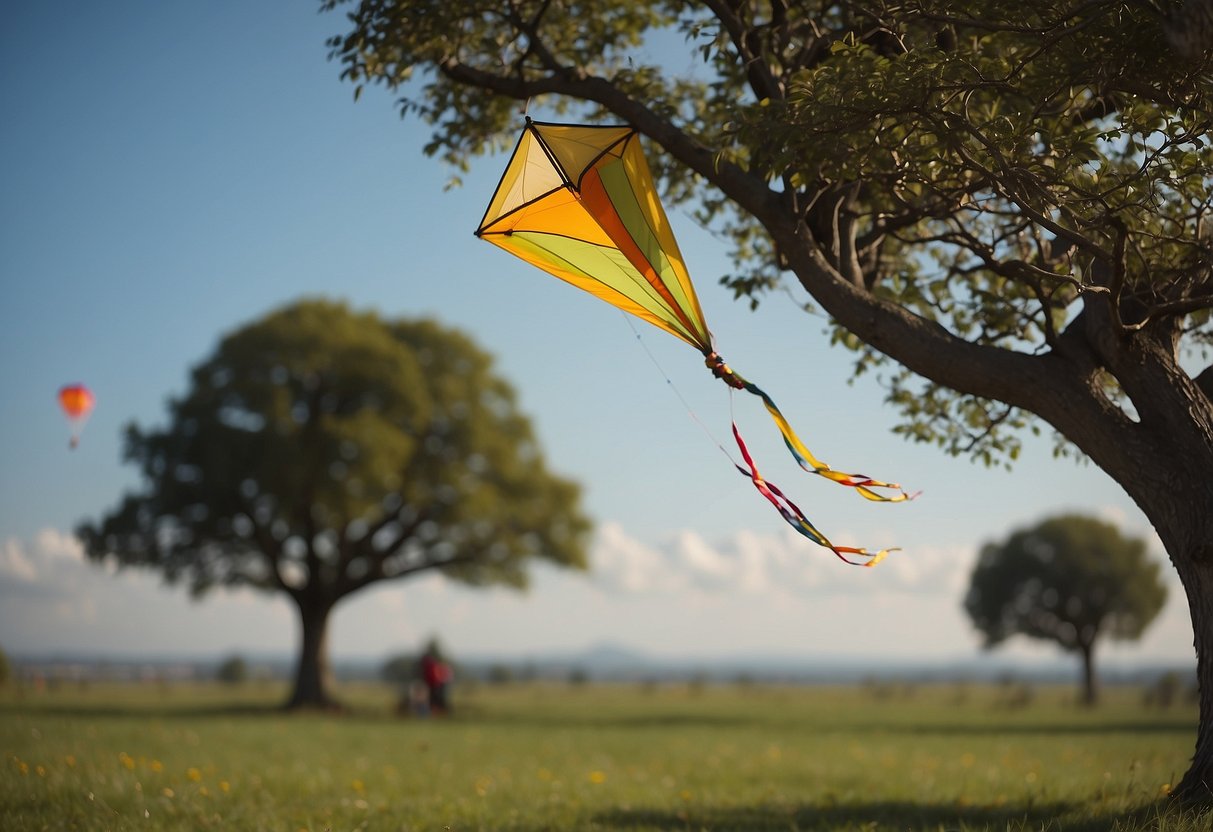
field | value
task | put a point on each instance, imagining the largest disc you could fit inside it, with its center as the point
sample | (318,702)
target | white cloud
(55,546)
(622,563)
(771,565)
(682,595)
(52,550)
(15,565)
(55,599)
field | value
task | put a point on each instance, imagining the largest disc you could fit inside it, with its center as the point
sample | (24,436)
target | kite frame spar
(579,202)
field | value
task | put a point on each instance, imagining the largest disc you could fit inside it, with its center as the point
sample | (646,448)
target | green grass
(598,757)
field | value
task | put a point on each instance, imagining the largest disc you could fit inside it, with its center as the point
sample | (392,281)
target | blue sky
(173,170)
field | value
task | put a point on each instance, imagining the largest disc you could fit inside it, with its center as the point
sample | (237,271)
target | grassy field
(596,757)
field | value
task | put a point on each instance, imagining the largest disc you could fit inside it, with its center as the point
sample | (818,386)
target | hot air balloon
(77,402)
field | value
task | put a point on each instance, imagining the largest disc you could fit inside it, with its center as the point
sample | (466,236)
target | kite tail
(795,517)
(803,456)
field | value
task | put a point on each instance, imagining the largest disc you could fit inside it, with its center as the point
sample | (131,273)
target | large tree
(1002,205)
(320,451)
(1071,580)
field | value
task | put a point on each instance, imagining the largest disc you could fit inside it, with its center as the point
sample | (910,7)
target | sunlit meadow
(605,757)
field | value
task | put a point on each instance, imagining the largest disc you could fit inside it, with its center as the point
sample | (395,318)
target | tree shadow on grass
(232,710)
(871,727)
(549,721)
(1001,728)
(158,711)
(889,815)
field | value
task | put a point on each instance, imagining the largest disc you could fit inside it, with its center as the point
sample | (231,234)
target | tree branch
(748,190)
(1204,382)
(269,546)
(762,80)
(1051,386)
(377,556)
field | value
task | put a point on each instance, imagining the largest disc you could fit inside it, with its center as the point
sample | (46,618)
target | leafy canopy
(320,450)
(1069,580)
(988,166)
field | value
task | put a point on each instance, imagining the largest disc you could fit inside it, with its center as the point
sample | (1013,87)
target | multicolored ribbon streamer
(795,517)
(804,458)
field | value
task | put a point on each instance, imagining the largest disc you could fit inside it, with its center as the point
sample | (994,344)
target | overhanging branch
(748,190)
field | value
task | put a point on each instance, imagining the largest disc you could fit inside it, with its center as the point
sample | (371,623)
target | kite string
(673,387)
(790,512)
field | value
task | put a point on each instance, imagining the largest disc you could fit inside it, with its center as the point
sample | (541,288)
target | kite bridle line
(790,512)
(678,393)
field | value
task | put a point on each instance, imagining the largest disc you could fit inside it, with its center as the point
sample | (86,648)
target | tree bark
(1090,682)
(1196,573)
(1165,463)
(312,675)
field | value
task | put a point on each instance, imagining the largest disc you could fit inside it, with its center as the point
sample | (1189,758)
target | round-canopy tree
(1005,204)
(1071,580)
(232,671)
(320,450)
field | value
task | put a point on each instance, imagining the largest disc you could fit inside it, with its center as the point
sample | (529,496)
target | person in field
(437,675)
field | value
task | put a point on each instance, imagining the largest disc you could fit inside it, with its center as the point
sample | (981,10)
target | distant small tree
(1014,693)
(501,674)
(5,668)
(1165,690)
(1072,580)
(232,671)
(399,669)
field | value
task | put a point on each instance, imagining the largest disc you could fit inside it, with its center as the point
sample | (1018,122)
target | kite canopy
(579,202)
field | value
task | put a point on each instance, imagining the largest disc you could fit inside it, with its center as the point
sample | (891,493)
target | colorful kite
(579,202)
(77,402)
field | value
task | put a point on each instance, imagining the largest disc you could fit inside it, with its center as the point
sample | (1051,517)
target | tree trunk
(312,671)
(1090,683)
(1196,571)
(1179,502)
